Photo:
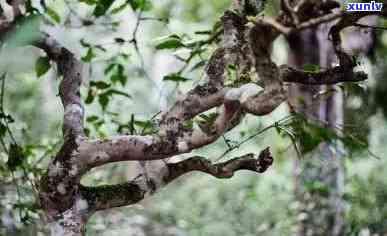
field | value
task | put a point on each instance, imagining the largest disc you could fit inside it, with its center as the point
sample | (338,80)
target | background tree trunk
(319,176)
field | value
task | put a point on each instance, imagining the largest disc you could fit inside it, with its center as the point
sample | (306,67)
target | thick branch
(171,140)
(210,94)
(334,75)
(175,139)
(69,91)
(105,197)
(58,184)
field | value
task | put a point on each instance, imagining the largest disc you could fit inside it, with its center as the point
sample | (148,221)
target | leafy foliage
(309,134)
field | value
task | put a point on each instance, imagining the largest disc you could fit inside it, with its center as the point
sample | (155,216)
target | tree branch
(333,75)
(108,196)
(69,89)
(349,17)
(174,138)
(224,169)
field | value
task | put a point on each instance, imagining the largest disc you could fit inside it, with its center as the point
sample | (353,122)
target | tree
(240,79)
(320,187)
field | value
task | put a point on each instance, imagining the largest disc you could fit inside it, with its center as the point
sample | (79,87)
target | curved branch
(333,75)
(173,138)
(69,89)
(224,169)
(108,196)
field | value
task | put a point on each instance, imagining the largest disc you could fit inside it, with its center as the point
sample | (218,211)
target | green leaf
(353,143)
(89,2)
(111,92)
(90,97)
(142,5)
(175,77)
(42,65)
(308,133)
(119,75)
(92,119)
(317,187)
(143,124)
(98,124)
(206,121)
(115,24)
(188,124)
(199,65)
(206,32)
(109,68)
(3,130)
(147,127)
(87,132)
(16,156)
(209,118)
(84,43)
(100,48)
(99,84)
(124,56)
(312,68)
(102,7)
(170,42)
(132,130)
(103,100)
(89,55)
(232,73)
(119,8)
(119,40)
(53,15)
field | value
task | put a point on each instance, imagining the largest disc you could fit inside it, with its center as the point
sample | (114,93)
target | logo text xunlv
(361,6)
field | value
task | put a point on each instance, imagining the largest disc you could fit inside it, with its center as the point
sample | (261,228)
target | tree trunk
(72,222)
(319,177)
(69,225)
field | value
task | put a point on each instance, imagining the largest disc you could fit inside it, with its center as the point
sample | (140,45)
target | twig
(275,24)
(319,20)
(286,118)
(370,26)
(292,11)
